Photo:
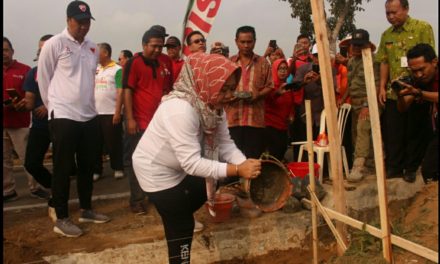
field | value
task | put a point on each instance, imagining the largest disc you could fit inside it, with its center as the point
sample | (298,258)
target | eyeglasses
(197,41)
(283,69)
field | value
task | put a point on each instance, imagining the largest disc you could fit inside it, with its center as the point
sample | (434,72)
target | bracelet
(236,170)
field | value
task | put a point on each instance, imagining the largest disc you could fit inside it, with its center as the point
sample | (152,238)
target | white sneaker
(119,174)
(198,226)
(52,214)
(96,176)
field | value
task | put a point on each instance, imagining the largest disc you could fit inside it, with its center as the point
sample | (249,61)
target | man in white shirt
(66,77)
(108,98)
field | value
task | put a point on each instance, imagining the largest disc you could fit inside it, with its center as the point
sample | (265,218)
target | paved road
(105,187)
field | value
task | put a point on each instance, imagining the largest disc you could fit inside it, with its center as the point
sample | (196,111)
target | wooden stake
(312,179)
(373,110)
(329,222)
(319,23)
(395,240)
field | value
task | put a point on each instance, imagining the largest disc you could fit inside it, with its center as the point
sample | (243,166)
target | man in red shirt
(149,76)
(174,47)
(15,124)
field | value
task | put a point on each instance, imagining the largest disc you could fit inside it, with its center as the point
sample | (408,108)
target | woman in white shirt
(187,147)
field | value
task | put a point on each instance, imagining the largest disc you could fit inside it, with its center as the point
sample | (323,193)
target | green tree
(340,22)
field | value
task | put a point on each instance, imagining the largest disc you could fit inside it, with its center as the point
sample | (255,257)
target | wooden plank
(328,220)
(319,23)
(373,109)
(312,179)
(374,231)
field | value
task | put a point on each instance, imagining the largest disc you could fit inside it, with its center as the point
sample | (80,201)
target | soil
(28,235)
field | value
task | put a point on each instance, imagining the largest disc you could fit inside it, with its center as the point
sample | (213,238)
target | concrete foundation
(245,238)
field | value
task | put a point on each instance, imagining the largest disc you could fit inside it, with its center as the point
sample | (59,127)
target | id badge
(403,62)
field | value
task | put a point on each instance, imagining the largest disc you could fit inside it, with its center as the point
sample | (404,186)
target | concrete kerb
(249,238)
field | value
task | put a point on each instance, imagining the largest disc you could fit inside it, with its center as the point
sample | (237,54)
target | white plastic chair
(343,112)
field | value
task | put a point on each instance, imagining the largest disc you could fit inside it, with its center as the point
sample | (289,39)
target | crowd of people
(178,127)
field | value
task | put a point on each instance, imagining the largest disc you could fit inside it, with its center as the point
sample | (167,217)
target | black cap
(79,10)
(173,42)
(155,31)
(360,37)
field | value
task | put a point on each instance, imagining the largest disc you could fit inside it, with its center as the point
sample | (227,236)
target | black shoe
(10,197)
(391,173)
(40,194)
(410,176)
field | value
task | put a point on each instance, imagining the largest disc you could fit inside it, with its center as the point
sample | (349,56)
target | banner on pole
(200,16)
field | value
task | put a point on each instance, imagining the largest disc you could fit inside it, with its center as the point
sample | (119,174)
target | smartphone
(273,43)
(315,68)
(13,93)
(343,51)
(299,47)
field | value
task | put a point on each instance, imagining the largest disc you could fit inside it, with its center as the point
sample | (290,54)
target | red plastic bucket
(222,207)
(301,169)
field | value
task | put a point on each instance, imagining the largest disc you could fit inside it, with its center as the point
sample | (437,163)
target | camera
(397,87)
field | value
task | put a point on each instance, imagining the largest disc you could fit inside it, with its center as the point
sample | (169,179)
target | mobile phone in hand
(12,92)
(315,68)
(273,44)
(343,51)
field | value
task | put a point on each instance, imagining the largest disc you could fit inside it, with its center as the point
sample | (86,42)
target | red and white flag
(200,16)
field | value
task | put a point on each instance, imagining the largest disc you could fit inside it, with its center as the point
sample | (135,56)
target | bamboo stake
(319,23)
(329,222)
(374,231)
(312,179)
(378,155)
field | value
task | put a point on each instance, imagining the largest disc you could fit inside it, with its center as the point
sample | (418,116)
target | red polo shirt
(13,77)
(147,88)
(177,67)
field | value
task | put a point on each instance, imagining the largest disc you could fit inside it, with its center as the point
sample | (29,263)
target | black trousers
(275,142)
(37,146)
(250,140)
(111,139)
(406,135)
(69,139)
(430,161)
(176,207)
(130,143)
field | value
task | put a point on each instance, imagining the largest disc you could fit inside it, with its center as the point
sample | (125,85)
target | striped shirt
(255,77)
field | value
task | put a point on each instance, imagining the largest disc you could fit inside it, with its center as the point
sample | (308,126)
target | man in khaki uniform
(361,126)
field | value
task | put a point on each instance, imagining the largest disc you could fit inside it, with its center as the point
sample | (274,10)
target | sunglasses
(197,41)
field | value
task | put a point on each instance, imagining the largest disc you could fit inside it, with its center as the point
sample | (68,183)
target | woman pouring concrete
(187,148)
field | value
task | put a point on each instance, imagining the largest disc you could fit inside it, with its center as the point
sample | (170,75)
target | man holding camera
(423,92)
(401,134)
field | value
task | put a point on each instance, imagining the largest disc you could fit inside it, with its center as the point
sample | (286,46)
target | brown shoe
(138,208)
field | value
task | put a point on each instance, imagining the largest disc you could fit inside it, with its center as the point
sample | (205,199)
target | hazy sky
(122,23)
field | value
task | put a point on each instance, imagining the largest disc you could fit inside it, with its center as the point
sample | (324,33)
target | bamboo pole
(373,110)
(312,179)
(329,222)
(319,23)
(374,231)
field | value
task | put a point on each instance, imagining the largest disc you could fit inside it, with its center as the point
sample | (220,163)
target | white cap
(315,49)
